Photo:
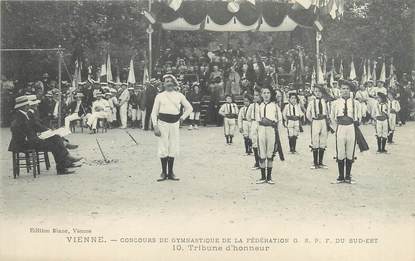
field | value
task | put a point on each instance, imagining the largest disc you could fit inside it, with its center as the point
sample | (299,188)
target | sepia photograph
(207,130)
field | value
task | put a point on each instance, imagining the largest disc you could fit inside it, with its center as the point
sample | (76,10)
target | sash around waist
(169,118)
(320,117)
(344,120)
(293,118)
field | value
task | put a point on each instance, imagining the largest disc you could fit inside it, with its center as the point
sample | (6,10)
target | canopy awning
(264,16)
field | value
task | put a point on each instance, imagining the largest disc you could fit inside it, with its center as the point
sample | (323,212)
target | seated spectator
(24,137)
(77,110)
(100,110)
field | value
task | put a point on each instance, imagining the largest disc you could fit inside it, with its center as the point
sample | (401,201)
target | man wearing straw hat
(25,137)
(77,110)
(100,109)
(166,116)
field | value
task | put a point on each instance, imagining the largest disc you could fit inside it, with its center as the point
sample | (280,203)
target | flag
(340,7)
(332,72)
(131,75)
(363,79)
(175,4)
(374,71)
(352,75)
(103,73)
(382,76)
(320,76)
(89,73)
(333,9)
(146,78)
(109,71)
(313,78)
(392,75)
(341,70)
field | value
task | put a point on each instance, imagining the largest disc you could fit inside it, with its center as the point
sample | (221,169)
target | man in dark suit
(150,96)
(24,136)
(77,110)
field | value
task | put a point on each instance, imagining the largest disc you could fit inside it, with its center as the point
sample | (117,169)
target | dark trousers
(147,118)
(55,145)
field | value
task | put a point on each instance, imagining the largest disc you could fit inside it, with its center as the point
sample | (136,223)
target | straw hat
(21,101)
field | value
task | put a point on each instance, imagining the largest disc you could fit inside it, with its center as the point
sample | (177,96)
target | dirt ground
(216,196)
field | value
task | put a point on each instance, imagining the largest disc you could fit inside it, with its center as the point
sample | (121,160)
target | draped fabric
(267,16)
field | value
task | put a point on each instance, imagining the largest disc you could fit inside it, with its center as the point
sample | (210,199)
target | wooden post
(60,84)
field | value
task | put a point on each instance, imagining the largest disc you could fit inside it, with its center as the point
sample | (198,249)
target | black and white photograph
(207,130)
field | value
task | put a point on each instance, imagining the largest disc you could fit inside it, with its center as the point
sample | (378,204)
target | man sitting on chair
(77,110)
(100,110)
(25,137)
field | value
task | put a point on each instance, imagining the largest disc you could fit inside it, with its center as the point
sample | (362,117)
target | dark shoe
(163,177)
(73,166)
(71,146)
(73,159)
(65,172)
(173,177)
(322,166)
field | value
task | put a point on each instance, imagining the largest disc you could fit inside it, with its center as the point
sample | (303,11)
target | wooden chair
(73,124)
(42,156)
(26,159)
(103,124)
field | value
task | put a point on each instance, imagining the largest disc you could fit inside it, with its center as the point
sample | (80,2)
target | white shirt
(270,111)
(228,108)
(102,104)
(25,114)
(56,109)
(124,97)
(78,104)
(253,112)
(313,110)
(289,110)
(338,109)
(170,103)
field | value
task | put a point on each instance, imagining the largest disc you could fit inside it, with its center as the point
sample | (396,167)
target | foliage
(90,29)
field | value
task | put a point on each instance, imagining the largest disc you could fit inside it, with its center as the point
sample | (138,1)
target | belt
(293,118)
(231,116)
(321,117)
(344,120)
(381,118)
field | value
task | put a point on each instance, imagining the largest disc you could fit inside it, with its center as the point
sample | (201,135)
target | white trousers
(382,129)
(246,128)
(253,134)
(143,118)
(123,115)
(392,121)
(194,116)
(345,142)
(266,142)
(114,114)
(93,118)
(319,134)
(135,114)
(229,126)
(293,127)
(168,142)
(69,118)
